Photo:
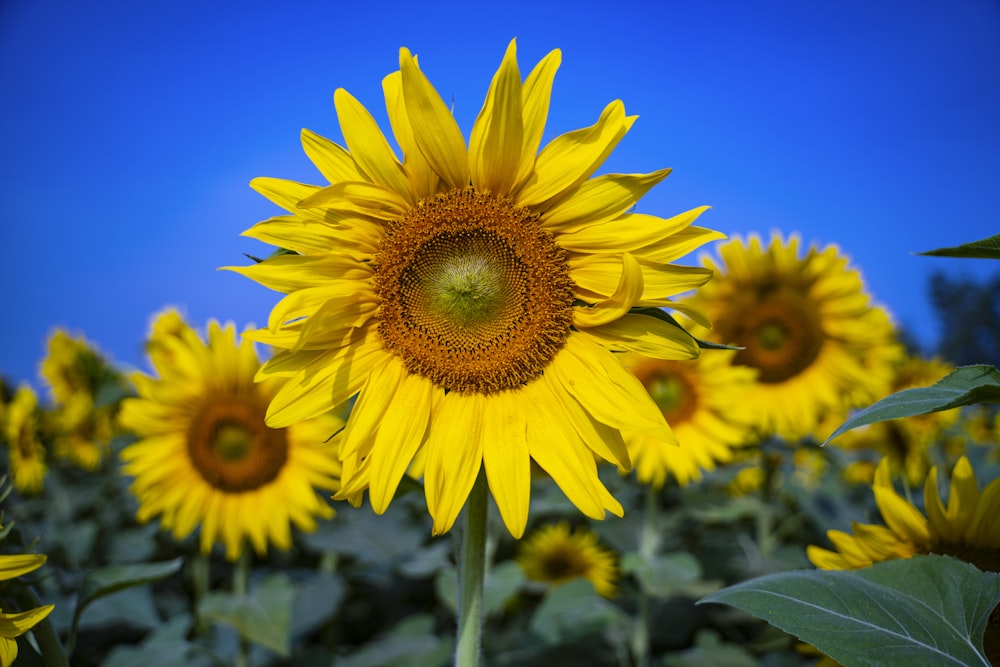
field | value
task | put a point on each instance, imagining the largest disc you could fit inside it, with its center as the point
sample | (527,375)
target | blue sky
(130,131)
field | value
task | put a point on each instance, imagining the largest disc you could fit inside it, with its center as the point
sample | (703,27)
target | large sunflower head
(806,323)
(703,402)
(25,449)
(204,455)
(555,554)
(472,295)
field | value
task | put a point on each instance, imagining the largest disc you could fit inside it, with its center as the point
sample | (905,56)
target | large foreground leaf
(927,610)
(985,249)
(966,385)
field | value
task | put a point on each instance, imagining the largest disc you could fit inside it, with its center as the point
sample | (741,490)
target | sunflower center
(670,387)
(561,565)
(475,295)
(232,448)
(781,332)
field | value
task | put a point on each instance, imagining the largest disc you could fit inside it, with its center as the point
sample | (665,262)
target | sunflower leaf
(264,617)
(661,314)
(105,581)
(988,248)
(966,385)
(926,610)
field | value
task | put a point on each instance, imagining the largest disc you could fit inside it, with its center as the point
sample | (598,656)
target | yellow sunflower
(807,325)
(26,451)
(703,401)
(472,296)
(906,442)
(71,368)
(205,456)
(15,624)
(556,554)
(81,432)
(967,528)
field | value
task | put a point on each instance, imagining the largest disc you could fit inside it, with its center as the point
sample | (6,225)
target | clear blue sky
(130,131)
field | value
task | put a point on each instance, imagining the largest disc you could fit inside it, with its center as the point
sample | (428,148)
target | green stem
(765,517)
(241,576)
(53,654)
(648,543)
(471,573)
(200,577)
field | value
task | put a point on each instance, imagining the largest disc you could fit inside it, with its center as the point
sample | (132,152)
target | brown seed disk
(475,295)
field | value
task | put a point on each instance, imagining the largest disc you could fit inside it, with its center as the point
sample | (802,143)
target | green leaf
(926,610)
(105,581)
(985,249)
(263,617)
(662,575)
(966,385)
(574,610)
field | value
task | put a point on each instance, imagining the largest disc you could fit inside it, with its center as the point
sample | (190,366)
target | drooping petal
(507,461)
(435,131)
(14,565)
(625,297)
(400,434)
(497,136)
(454,456)
(357,197)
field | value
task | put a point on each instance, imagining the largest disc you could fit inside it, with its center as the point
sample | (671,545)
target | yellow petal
(605,389)
(600,199)
(936,514)
(371,406)
(535,96)
(903,518)
(332,160)
(825,559)
(982,528)
(571,158)
(15,625)
(649,336)
(963,500)
(626,295)
(304,236)
(324,383)
(497,135)
(434,129)
(601,274)
(400,434)
(372,153)
(423,180)
(15,565)
(632,231)
(605,441)
(507,461)
(287,273)
(287,194)
(356,197)
(454,456)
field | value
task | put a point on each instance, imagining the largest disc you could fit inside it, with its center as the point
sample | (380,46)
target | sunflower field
(498,416)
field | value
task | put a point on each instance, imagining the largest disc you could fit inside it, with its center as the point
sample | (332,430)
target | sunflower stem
(471,574)
(53,653)
(241,576)
(200,577)
(648,543)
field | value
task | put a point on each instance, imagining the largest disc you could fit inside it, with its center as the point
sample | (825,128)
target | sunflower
(205,456)
(73,367)
(15,624)
(806,324)
(472,298)
(26,451)
(906,442)
(703,402)
(966,529)
(556,554)
(82,432)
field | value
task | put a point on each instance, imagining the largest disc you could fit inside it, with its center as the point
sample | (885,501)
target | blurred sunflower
(966,529)
(907,442)
(556,554)
(205,456)
(808,327)
(81,433)
(15,624)
(703,402)
(26,451)
(472,297)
